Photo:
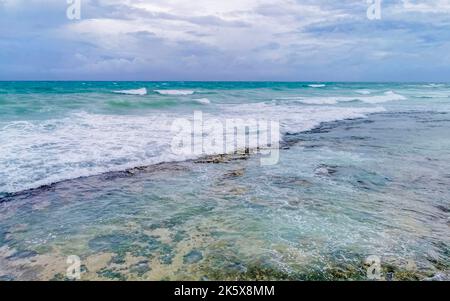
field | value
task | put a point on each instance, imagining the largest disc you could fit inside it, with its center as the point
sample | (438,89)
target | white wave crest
(203,101)
(388,96)
(41,152)
(142,91)
(174,92)
(317,85)
(434,85)
(330,100)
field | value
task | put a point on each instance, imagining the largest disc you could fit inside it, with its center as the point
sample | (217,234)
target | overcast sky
(295,40)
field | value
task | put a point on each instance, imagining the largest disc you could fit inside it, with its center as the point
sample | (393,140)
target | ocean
(88,169)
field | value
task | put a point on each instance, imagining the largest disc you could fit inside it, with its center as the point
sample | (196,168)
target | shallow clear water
(342,191)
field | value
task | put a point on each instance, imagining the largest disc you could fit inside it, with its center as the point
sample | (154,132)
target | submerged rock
(224,158)
(325,170)
(59,277)
(140,268)
(257,271)
(179,236)
(139,245)
(290,181)
(153,243)
(166,258)
(6,278)
(166,254)
(443,208)
(168,224)
(193,256)
(22,254)
(441,276)
(3,239)
(109,242)
(111,274)
(118,259)
(19,228)
(236,267)
(235,173)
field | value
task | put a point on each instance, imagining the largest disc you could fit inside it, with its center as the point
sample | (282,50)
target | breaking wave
(142,91)
(41,152)
(174,92)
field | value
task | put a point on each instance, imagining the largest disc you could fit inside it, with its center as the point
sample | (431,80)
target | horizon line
(226,81)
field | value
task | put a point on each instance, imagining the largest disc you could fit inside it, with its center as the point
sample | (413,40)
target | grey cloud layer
(226,40)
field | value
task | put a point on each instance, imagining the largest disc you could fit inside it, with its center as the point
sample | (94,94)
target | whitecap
(318,101)
(296,119)
(434,85)
(203,101)
(331,100)
(174,92)
(317,85)
(388,96)
(142,91)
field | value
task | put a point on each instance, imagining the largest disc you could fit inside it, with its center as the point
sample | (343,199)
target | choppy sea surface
(86,169)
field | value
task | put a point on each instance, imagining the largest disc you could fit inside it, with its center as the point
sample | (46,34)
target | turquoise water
(86,170)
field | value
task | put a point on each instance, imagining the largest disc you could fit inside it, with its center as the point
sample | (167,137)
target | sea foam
(41,152)
(203,101)
(174,92)
(330,100)
(142,91)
